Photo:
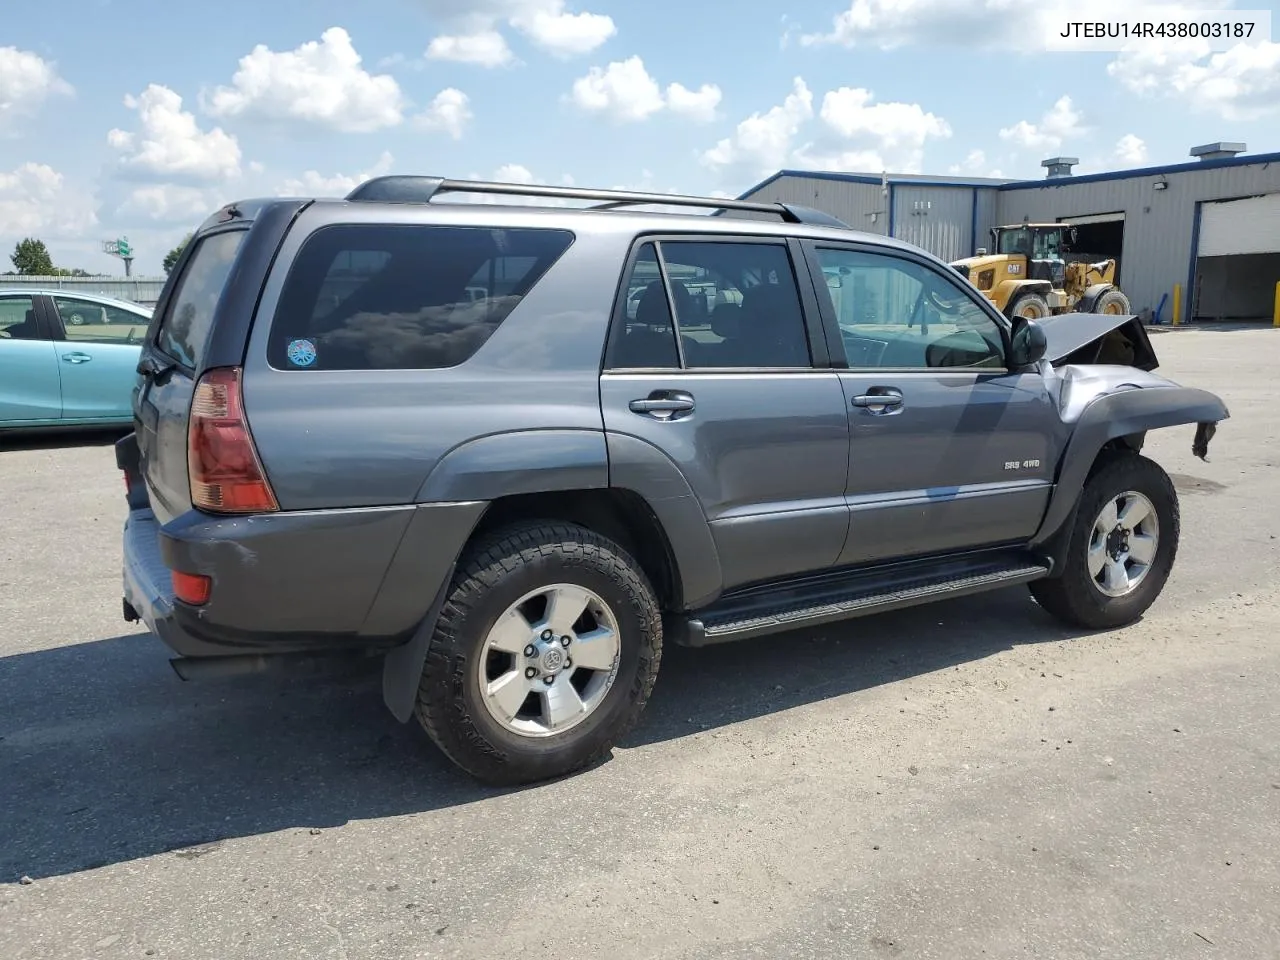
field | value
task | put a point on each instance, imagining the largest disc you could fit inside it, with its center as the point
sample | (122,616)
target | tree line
(31,258)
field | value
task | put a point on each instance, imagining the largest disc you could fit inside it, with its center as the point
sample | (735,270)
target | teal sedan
(68,359)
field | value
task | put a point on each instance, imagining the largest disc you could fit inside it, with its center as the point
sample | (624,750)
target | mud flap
(402,666)
(1200,445)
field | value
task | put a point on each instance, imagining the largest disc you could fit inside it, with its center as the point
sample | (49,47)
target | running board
(841,596)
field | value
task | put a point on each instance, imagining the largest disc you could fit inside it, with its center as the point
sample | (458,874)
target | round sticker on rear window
(301,353)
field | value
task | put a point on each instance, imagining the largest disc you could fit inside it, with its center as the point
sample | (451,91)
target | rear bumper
(147,586)
(293,582)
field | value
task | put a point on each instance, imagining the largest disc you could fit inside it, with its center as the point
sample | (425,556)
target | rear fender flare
(1121,414)
(645,470)
(530,461)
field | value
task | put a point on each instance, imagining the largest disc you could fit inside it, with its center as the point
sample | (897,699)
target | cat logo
(1015,268)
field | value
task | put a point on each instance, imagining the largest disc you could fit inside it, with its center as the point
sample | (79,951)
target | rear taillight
(192,588)
(222,462)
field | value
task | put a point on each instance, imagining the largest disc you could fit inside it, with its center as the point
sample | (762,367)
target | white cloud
(169,203)
(513,173)
(697,104)
(893,23)
(26,81)
(1240,84)
(975,164)
(312,183)
(623,89)
(974,161)
(35,200)
(561,33)
(449,112)
(896,130)
(486,49)
(1059,124)
(321,83)
(856,134)
(169,143)
(472,26)
(1131,150)
(763,141)
(1009,26)
(628,93)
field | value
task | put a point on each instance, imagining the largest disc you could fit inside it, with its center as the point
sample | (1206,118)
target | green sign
(123,248)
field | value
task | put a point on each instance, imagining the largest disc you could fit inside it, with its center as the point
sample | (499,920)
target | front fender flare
(1115,415)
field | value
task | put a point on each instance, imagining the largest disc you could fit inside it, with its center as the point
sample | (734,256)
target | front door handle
(880,400)
(76,357)
(663,404)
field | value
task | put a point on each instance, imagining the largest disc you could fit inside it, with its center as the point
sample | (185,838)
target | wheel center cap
(551,660)
(1117,542)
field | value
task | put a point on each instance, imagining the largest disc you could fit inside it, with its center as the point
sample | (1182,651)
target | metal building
(1206,232)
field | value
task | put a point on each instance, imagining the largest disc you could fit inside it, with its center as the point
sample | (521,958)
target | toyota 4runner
(513,449)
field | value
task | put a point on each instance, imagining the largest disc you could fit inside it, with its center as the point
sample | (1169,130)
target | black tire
(1112,302)
(496,572)
(1074,597)
(1031,305)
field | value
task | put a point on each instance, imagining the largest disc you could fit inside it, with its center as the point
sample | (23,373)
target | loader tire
(1030,306)
(1114,303)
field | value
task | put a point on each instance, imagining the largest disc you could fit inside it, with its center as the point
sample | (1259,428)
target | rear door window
(185,329)
(88,322)
(416,297)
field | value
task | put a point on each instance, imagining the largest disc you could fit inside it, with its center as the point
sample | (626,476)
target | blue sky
(137,118)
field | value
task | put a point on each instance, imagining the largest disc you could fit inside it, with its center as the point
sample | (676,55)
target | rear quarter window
(184,330)
(361,297)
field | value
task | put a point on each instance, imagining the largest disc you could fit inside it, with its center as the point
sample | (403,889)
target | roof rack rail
(422,189)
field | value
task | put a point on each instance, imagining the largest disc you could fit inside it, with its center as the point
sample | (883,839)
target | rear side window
(185,329)
(415,297)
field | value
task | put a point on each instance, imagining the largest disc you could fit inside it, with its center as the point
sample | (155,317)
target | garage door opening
(1237,260)
(1099,236)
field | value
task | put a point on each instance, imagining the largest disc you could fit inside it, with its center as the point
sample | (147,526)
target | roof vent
(1059,166)
(1217,151)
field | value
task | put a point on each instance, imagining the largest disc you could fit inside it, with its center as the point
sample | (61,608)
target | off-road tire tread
(1072,597)
(440,707)
(1113,294)
(1044,301)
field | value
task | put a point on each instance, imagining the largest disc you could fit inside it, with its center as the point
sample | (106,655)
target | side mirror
(1029,344)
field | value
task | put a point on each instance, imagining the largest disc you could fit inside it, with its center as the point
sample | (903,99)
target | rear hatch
(201,321)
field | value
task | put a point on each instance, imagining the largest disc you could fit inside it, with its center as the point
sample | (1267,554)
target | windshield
(1014,241)
(1038,244)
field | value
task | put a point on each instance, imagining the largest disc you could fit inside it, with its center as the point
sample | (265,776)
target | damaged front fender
(1136,403)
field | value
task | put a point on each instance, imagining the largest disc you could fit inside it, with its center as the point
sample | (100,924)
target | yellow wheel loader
(1027,275)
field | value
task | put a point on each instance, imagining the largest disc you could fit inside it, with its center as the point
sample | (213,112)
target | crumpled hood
(1098,338)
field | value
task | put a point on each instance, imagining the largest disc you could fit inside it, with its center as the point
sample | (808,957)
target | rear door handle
(76,357)
(663,405)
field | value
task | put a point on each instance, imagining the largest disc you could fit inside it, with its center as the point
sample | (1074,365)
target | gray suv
(513,449)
